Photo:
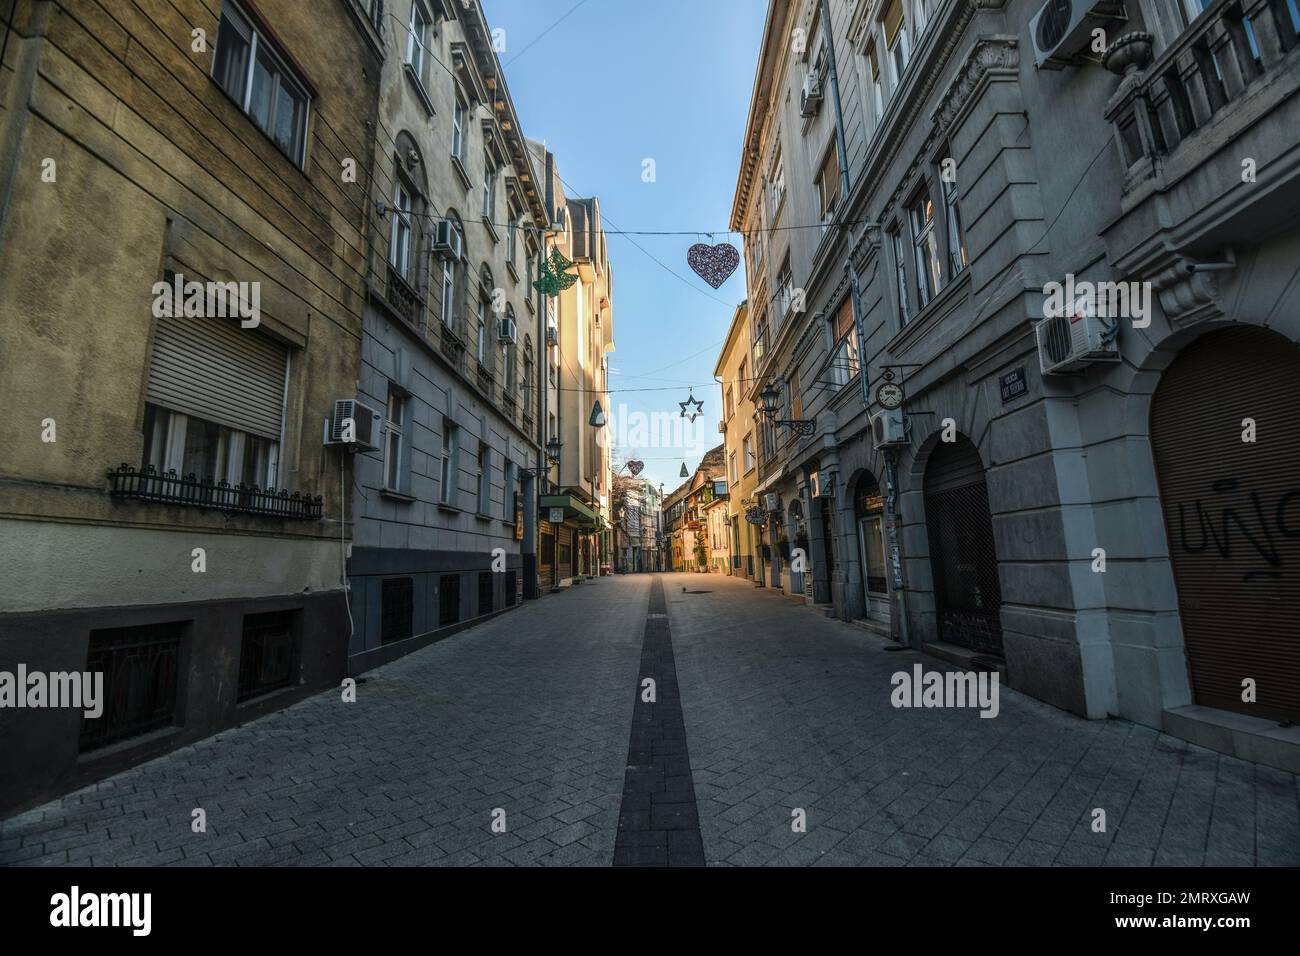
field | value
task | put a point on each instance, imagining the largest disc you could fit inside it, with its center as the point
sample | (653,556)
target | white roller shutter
(214,369)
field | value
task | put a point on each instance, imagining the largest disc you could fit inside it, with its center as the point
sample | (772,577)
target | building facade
(172,515)
(579,331)
(1028,491)
(443,501)
(740,428)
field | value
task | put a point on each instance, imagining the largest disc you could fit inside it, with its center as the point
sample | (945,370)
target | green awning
(574,510)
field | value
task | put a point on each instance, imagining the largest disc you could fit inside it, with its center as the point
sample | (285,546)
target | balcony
(483,376)
(1205,137)
(405,301)
(451,344)
(146,484)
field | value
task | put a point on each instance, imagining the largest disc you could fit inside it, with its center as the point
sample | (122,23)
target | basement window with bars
(268,653)
(141,668)
(258,78)
(448,599)
(396,606)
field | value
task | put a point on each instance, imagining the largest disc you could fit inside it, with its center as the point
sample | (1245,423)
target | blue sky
(615,83)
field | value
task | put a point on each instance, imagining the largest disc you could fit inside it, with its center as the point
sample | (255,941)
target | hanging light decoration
(691,400)
(713,264)
(597,419)
(684,473)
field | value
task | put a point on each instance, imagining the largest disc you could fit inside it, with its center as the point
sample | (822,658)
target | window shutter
(893,20)
(215,370)
(844,318)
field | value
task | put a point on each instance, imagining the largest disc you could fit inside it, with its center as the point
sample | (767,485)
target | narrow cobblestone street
(783,710)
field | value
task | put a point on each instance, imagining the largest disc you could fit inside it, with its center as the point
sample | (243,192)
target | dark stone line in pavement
(658,824)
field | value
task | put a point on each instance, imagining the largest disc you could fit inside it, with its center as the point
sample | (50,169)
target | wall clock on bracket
(889,395)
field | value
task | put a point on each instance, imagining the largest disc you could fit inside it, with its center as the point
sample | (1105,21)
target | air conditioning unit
(888,427)
(1062,29)
(446,240)
(507,330)
(1070,342)
(810,100)
(366,425)
(552,335)
(771,502)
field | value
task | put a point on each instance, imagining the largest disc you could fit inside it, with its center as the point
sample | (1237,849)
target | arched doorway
(869,514)
(1232,514)
(967,595)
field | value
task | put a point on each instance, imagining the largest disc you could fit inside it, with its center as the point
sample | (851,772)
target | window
(484,303)
(190,445)
(394,449)
(925,246)
(956,238)
(511,355)
(489,188)
(512,243)
(784,293)
(731,468)
(396,603)
(900,275)
(447,467)
(141,668)
(776,189)
(828,183)
(731,404)
(845,359)
(510,496)
(448,291)
(484,477)
(268,654)
(760,340)
(458,116)
(448,599)
(529,372)
(877,93)
(748,448)
(255,76)
(896,38)
(417,41)
(400,242)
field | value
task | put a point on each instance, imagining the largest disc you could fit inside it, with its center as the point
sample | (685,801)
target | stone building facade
(1078,501)
(443,505)
(171,515)
(740,428)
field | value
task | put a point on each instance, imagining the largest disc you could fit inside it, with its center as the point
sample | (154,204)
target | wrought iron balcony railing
(170,488)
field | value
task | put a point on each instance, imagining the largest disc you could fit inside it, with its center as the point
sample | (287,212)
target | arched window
(511,354)
(406,239)
(452,272)
(484,339)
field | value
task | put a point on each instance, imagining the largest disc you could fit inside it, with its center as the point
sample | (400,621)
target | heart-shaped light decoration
(636,467)
(713,264)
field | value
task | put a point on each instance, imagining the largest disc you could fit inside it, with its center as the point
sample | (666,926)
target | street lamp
(552,459)
(770,397)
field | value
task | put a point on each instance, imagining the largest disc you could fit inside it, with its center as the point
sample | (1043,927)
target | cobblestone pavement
(785,709)
(531,713)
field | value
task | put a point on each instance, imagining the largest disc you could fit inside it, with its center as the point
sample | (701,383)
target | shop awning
(574,510)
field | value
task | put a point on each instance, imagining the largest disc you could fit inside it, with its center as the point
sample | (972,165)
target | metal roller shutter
(1232,515)
(214,369)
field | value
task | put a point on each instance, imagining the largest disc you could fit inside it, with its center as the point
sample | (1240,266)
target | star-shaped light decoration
(555,276)
(692,400)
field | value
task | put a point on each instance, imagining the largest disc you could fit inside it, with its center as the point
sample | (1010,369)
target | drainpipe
(895,546)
